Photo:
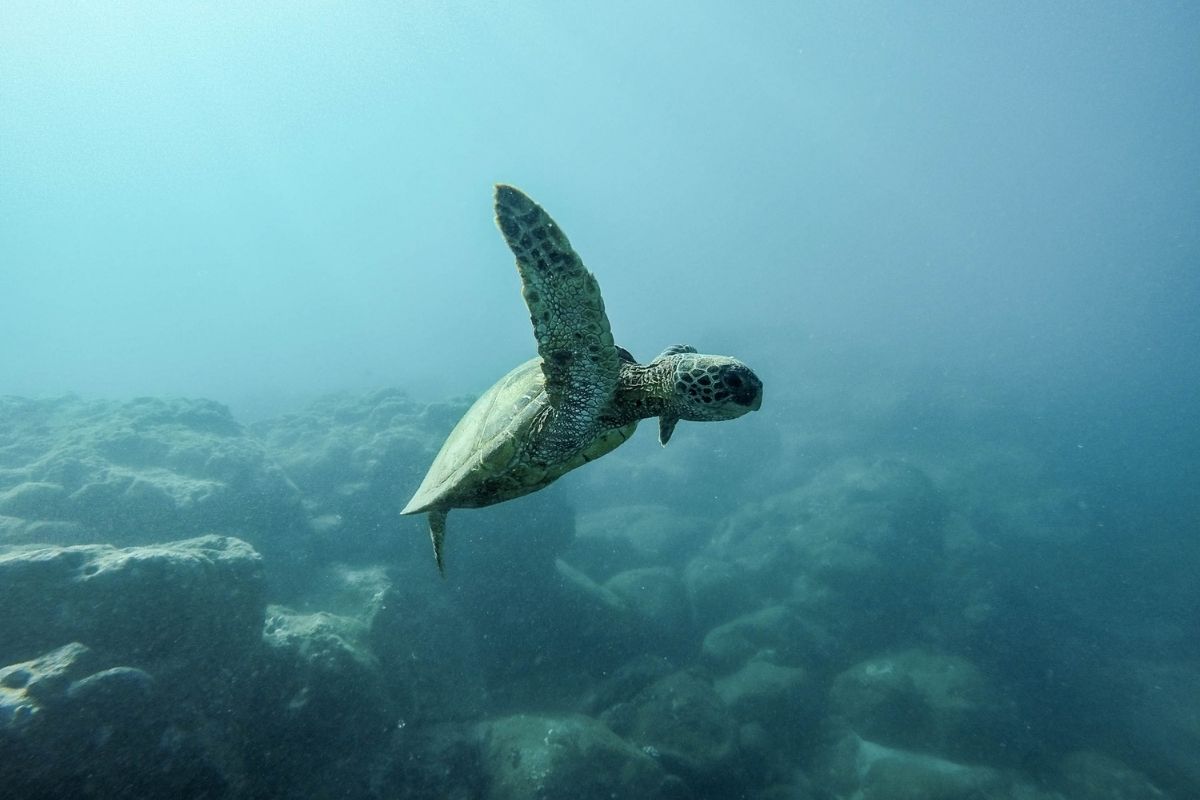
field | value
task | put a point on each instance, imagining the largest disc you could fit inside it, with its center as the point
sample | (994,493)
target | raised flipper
(579,360)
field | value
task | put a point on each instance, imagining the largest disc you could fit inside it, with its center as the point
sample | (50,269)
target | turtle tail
(437,532)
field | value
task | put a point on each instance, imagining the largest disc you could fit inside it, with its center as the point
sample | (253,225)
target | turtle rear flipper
(437,533)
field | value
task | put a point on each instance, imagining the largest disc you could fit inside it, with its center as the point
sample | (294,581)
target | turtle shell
(485,459)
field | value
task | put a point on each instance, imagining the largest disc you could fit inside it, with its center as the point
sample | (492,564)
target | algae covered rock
(137,472)
(858,530)
(433,761)
(656,596)
(720,590)
(198,599)
(681,718)
(550,635)
(325,676)
(569,757)
(612,540)
(26,687)
(352,457)
(869,771)
(138,656)
(1088,775)
(324,714)
(428,651)
(777,697)
(69,728)
(623,684)
(921,700)
(776,632)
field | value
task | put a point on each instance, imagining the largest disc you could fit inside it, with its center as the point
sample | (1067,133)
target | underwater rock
(859,529)
(800,788)
(623,684)
(196,600)
(68,730)
(1151,710)
(428,651)
(16,529)
(781,699)
(352,456)
(866,770)
(116,689)
(1092,776)
(681,717)
(613,540)
(140,471)
(167,639)
(36,500)
(605,610)
(325,675)
(719,590)
(549,638)
(656,596)
(26,687)
(769,761)
(323,715)
(434,761)
(776,633)
(926,701)
(1012,491)
(570,757)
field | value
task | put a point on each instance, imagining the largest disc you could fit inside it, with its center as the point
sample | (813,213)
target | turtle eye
(733,381)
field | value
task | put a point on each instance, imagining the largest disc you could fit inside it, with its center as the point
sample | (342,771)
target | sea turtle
(579,398)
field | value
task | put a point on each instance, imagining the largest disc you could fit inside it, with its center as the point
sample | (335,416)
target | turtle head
(710,388)
(714,388)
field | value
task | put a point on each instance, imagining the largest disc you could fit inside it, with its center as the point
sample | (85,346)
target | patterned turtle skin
(581,397)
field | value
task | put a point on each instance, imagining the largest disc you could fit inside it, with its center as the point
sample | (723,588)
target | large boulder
(919,700)
(624,683)
(72,727)
(440,761)
(682,720)
(852,549)
(198,601)
(428,651)
(569,757)
(657,598)
(781,699)
(867,770)
(776,634)
(550,638)
(720,590)
(323,714)
(134,666)
(1087,775)
(624,537)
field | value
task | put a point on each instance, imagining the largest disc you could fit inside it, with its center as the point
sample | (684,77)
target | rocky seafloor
(196,608)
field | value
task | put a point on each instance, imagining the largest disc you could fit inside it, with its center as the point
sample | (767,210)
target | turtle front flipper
(580,363)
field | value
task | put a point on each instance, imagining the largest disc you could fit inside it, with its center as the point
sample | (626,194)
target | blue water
(963,239)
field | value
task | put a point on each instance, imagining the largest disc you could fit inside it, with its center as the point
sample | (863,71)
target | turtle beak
(750,393)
